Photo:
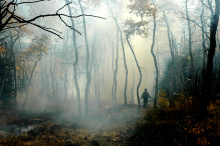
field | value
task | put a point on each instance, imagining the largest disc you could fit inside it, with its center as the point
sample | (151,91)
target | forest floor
(113,126)
(119,125)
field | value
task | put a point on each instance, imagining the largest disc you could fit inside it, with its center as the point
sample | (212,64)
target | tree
(75,64)
(190,46)
(171,71)
(124,56)
(8,87)
(207,97)
(154,57)
(115,73)
(88,70)
(10,19)
(140,8)
(34,53)
(203,44)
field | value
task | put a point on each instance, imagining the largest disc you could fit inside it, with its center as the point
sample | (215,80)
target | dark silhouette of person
(145,95)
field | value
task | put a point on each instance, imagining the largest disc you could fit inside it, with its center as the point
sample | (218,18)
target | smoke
(52,86)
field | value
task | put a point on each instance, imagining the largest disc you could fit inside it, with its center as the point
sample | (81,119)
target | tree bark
(190,48)
(124,58)
(155,63)
(113,68)
(203,46)
(209,68)
(172,64)
(139,69)
(42,79)
(88,74)
(132,88)
(29,82)
(52,76)
(75,64)
(115,73)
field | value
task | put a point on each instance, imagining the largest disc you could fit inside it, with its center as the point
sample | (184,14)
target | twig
(198,26)
(20,22)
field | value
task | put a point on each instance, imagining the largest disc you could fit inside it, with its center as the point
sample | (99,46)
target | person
(145,95)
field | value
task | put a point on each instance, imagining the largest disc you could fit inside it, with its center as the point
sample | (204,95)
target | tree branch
(19,21)
(204,4)
(31,2)
(198,26)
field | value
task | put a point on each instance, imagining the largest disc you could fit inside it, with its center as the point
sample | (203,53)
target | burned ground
(118,125)
(112,126)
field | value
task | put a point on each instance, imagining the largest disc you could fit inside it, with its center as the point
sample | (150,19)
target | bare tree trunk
(47,89)
(15,81)
(155,62)
(132,88)
(65,85)
(29,82)
(140,79)
(23,69)
(126,70)
(88,74)
(176,66)
(172,64)
(115,73)
(203,45)
(52,77)
(75,64)
(57,95)
(98,74)
(113,85)
(190,48)
(42,79)
(124,57)
(96,85)
(209,68)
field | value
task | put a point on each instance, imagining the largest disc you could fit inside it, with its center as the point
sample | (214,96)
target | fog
(101,34)
(102,40)
(82,67)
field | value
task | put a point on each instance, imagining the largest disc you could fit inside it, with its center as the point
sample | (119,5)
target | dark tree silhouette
(207,96)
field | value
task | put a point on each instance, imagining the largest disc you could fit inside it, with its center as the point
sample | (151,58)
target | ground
(118,125)
(111,126)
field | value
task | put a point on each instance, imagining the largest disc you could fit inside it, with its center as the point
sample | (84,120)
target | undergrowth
(179,124)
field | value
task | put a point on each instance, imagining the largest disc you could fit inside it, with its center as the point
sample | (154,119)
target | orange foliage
(2,49)
(183,102)
(214,109)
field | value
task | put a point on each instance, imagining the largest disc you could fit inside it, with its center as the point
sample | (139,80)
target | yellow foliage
(163,102)
(183,102)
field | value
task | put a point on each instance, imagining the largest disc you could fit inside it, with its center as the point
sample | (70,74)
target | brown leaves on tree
(38,46)
(142,7)
(130,25)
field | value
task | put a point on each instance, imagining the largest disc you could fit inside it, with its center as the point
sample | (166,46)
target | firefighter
(145,95)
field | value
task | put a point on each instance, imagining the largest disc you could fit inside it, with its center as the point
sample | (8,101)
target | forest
(109,72)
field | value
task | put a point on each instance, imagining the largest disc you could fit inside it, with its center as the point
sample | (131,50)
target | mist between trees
(86,55)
